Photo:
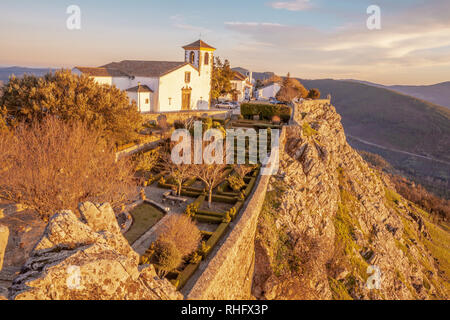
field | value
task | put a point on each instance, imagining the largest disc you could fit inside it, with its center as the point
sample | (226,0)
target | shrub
(291,89)
(52,165)
(183,232)
(70,97)
(314,94)
(145,162)
(236,182)
(178,124)
(166,257)
(266,111)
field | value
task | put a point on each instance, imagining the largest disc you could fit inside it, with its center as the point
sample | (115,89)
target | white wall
(171,86)
(269,92)
(145,101)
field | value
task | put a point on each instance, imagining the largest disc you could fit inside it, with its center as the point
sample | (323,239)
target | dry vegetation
(178,238)
(438,207)
(183,232)
(53,165)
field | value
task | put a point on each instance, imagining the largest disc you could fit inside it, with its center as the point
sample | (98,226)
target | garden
(204,201)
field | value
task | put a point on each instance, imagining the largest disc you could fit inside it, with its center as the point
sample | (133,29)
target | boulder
(75,260)
(4,236)
(99,217)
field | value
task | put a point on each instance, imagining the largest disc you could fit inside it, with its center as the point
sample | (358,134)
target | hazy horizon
(311,39)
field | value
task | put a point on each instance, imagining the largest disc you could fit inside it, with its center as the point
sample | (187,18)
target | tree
(291,89)
(221,79)
(259,84)
(166,257)
(182,231)
(72,97)
(314,94)
(54,165)
(211,175)
(273,79)
(3,125)
(179,172)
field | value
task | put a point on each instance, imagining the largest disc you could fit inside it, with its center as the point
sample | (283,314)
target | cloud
(297,5)
(178,21)
(252,24)
(409,41)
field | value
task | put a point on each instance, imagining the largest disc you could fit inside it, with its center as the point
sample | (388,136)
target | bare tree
(211,175)
(53,165)
(243,170)
(179,172)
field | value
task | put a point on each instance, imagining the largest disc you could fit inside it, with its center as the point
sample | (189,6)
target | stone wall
(229,274)
(184,115)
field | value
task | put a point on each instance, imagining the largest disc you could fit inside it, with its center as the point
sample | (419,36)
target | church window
(192,57)
(187,77)
(206,58)
(170,101)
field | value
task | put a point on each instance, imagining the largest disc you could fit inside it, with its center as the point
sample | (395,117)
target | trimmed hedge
(238,206)
(224,199)
(266,111)
(190,182)
(208,219)
(217,235)
(185,275)
(249,188)
(211,213)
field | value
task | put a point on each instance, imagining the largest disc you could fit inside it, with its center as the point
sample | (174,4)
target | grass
(145,216)
(338,290)
(440,249)
(308,131)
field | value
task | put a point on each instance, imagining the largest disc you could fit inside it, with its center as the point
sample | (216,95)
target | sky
(311,39)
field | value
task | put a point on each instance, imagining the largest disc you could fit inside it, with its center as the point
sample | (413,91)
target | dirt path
(398,151)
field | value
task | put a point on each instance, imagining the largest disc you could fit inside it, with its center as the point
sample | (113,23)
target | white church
(162,86)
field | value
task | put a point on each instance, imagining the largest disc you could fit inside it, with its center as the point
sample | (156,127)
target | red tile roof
(199,44)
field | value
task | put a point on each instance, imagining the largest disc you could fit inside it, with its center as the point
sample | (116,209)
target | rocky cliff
(87,259)
(330,216)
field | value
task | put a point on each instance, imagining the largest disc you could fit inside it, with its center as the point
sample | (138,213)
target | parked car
(275,101)
(226,105)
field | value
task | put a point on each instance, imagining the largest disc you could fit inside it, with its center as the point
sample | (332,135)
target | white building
(242,86)
(162,86)
(268,91)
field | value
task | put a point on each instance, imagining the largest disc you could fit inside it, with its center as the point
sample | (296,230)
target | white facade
(267,92)
(187,86)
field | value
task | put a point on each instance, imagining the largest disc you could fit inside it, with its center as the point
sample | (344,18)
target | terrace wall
(184,115)
(229,273)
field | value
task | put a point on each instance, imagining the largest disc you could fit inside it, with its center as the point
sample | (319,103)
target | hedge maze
(228,198)
(221,220)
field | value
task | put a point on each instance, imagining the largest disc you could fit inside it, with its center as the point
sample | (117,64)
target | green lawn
(145,216)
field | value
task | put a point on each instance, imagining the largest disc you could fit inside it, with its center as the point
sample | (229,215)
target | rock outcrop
(331,216)
(87,260)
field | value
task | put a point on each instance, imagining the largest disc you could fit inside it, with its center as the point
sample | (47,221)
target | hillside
(329,216)
(437,93)
(412,134)
(5,73)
